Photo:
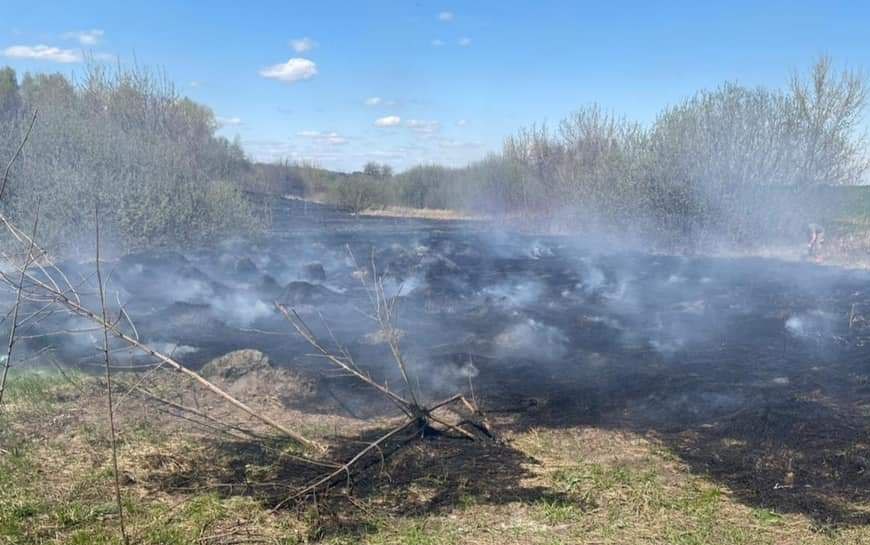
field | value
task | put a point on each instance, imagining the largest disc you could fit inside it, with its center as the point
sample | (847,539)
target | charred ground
(751,373)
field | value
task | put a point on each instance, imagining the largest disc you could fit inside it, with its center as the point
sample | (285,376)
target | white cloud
(445,16)
(374,101)
(295,69)
(437,43)
(194,84)
(229,121)
(423,127)
(462,123)
(388,121)
(85,37)
(382,154)
(42,53)
(464,42)
(301,45)
(331,138)
(457,144)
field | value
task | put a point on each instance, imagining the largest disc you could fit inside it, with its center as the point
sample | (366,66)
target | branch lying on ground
(418,416)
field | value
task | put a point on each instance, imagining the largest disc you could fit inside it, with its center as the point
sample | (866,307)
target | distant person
(817,237)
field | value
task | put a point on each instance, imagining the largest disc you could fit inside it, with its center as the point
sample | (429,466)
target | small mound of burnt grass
(250,374)
(278,391)
(305,293)
(237,364)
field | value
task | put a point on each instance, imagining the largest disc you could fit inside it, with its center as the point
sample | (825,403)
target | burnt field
(753,372)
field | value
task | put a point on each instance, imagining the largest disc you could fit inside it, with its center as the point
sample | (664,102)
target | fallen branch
(250,434)
(302,328)
(345,468)
(418,416)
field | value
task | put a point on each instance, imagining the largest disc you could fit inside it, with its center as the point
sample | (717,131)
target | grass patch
(35,388)
(413,533)
(557,511)
(587,486)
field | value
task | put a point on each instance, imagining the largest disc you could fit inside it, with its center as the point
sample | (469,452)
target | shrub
(359,192)
(733,164)
(127,140)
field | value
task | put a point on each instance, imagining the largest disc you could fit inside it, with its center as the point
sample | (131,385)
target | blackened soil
(753,371)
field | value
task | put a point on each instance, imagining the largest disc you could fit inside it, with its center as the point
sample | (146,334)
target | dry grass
(420,213)
(579,485)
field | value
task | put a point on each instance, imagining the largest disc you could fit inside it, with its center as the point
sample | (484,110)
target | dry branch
(16,309)
(109,408)
(418,416)
(345,469)
(27,261)
(348,365)
(225,427)
(74,305)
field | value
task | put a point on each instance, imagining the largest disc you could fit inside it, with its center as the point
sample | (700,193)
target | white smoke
(532,339)
(812,324)
(239,309)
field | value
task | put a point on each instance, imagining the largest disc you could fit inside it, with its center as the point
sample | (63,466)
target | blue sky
(405,82)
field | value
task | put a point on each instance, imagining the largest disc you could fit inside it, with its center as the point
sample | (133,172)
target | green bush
(128,141)
(359,192)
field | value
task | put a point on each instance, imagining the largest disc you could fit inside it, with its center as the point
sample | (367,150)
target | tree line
(732,164)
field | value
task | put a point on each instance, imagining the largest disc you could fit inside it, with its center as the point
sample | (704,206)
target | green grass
(557,511)
(767,517)
(413,533)
(18,503)
(34,388)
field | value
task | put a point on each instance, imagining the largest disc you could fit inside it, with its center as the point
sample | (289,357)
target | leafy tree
(376,170)
(10,99)
(126,138)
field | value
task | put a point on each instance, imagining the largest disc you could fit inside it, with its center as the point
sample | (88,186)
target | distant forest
(730,165)
(733,164)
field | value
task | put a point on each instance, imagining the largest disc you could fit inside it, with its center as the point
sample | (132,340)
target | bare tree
(829,108)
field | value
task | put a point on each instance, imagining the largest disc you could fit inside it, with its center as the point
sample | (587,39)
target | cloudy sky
(405,82)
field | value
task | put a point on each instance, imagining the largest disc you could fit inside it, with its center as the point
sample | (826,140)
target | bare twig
(418,416)
(345,469)
(70,301)
(14,325)
(299,324)
(109,407)
(224,426)
(66,377)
